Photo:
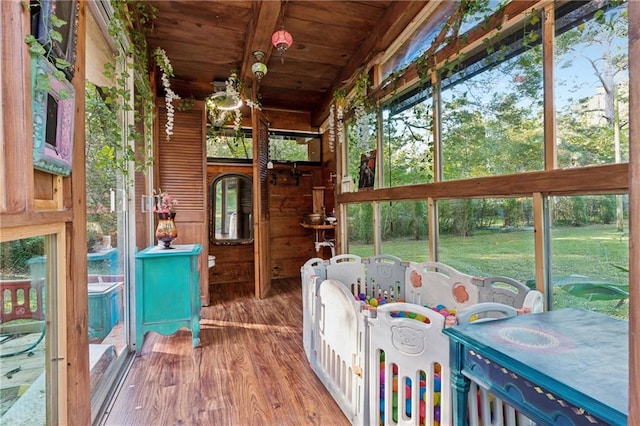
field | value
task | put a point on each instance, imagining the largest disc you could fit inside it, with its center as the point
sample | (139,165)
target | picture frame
(66,10)
(53,119)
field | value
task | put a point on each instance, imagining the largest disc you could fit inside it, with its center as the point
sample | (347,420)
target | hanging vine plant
(129,27)
(449,35)
(43,48)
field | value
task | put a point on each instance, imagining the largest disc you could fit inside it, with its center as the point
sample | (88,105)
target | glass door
(107,245)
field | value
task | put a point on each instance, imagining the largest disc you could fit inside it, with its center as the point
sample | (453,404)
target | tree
(602,43)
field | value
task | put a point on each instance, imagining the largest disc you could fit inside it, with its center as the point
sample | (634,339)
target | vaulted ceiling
(206,40)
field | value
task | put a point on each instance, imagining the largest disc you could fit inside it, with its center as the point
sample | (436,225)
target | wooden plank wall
(290,199)
(290,244)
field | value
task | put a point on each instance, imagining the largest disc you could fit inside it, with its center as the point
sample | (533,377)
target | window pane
(481,11)
(295,147)
(421,39)
(361,139)
(405,230)
(492,121)
(488,237)
(360,229)
(590,253)
(592,91)
(224,143)
(408,145)
(23,340)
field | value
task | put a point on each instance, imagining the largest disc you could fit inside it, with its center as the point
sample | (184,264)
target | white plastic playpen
(389,364)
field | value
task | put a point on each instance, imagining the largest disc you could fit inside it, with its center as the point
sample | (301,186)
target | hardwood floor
(249,370)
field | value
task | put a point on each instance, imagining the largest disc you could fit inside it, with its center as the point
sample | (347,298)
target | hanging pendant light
(282,40)
(259,69)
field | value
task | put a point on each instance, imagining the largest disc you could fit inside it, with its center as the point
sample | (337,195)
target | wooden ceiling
(332,40)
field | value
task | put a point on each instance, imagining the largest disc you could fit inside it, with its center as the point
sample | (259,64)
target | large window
(590,253)
(492,117)
(592,90)
(491,122)
(405,231)
(360,229)
(488,237)
(407,155)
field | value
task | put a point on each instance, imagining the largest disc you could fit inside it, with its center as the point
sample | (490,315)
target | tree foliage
(492,124)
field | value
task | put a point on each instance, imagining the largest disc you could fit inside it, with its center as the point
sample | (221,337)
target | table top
(176,250)
(324,226)
(102,254)
(581,355)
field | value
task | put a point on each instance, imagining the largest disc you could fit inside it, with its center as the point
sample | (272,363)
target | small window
(284,147)
(230,145)
(295,147)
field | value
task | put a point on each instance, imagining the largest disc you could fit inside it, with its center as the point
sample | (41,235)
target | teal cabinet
(168,291)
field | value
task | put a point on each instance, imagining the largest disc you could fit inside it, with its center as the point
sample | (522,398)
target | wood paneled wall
(290,244)
(290,198)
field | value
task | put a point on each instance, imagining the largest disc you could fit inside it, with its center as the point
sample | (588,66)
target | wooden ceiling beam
(266,16)
(398,16)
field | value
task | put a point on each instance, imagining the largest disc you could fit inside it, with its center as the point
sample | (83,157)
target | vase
(166,231)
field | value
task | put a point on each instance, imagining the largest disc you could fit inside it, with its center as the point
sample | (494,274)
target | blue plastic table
(109,255)
(568,366)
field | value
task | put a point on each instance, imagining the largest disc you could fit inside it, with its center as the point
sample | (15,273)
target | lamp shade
(259,69)
(282,39)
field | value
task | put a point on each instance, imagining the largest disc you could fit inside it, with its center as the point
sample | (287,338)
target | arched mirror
(230,210)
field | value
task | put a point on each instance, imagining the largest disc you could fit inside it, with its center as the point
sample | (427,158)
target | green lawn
(589,251)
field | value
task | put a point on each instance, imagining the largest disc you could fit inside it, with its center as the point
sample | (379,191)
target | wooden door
(181,170)
(261,205)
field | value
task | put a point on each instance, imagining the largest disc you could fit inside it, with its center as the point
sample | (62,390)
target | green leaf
(43,83)
(57,22)
(30,39)
(64,94)
(62,64)
(55,35)
(599,16)
(59,75)
(37,49)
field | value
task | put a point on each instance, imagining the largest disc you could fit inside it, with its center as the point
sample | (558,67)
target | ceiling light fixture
(228,99)
(259,68)
(282,40)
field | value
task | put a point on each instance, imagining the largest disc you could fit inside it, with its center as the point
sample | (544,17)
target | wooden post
(550,147)
(15,92)
(634,213)
(78,385)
